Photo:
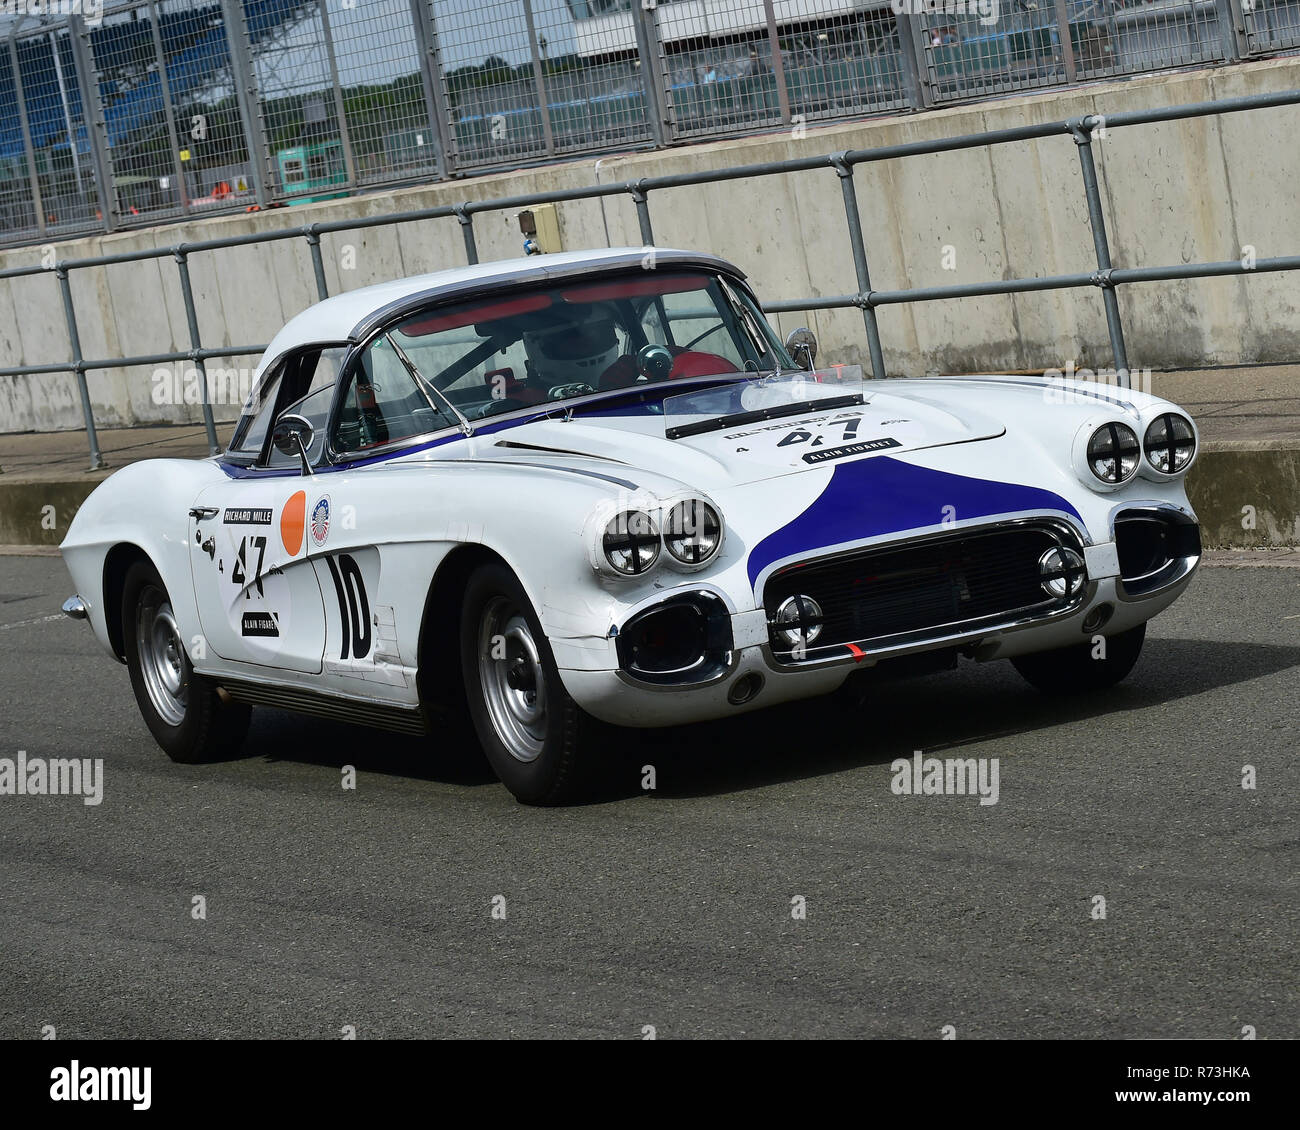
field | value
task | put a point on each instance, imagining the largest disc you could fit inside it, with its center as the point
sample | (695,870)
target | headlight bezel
(647,517)
(1083,453)
(649,536)
(701,507)
(1149,468)
(1124,444)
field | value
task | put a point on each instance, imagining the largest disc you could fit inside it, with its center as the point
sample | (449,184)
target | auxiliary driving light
(1061,571)
(798,621)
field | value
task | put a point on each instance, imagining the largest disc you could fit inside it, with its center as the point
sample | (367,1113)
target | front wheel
(1083,667)
(181,708)
(534,735)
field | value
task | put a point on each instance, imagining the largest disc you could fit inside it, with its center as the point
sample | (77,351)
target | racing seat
(514,389)
(686,363)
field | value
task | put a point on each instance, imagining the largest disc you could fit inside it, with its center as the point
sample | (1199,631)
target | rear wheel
(181,708)
(535,736)
(1078,669)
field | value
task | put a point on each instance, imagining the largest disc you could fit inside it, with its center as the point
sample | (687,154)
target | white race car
(595,486)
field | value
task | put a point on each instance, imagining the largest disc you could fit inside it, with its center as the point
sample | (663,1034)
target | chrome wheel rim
(513,682)
(162,657)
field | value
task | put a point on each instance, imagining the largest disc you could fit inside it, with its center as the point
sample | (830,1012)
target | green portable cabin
(311,169)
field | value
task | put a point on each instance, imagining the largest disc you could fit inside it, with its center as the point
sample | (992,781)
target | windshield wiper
(717,423)
(467,429)
(742,314)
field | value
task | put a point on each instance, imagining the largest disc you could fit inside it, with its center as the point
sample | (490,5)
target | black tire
(1073,670)
(199,727)
(559,769)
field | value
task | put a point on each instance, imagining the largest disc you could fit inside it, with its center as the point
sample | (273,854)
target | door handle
(203,512)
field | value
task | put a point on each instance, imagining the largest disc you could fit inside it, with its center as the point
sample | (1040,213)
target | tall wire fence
(151,110)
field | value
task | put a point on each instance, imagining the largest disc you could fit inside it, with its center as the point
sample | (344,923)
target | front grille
(932,584)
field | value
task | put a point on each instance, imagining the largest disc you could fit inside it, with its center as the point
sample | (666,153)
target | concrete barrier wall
(1205,189)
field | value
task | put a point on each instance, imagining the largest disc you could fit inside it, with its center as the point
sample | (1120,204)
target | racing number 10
(354,607)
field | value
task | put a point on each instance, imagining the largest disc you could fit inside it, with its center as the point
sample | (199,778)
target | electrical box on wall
(540,225)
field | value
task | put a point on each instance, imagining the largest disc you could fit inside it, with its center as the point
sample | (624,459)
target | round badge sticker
(320,520)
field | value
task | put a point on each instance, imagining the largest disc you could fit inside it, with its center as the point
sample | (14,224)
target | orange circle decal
(293,521)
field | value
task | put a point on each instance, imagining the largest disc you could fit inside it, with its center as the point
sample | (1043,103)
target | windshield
(550,344)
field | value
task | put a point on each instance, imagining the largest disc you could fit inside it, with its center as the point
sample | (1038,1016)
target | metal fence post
(79,365)
(92,112)
(317,263)
(911,53)
(467,233)
(647,52)
(1062,13)
(778,64)
(169,109)
(539,78)
(1081,131)
(642,202)
(1236,24)
(246,96)
(444,133)
(657,78)
(196,346)
(29,150)
(340,110)
(845,172)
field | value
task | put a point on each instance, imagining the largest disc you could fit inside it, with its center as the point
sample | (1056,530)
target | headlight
(692,532)
(1170,443)
(1113,453)
(631,543)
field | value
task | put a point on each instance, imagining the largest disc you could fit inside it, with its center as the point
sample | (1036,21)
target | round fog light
(798,620)
(745,689)
(1097,618)
(1061,571)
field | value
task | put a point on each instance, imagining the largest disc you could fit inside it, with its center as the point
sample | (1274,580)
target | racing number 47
(238,571)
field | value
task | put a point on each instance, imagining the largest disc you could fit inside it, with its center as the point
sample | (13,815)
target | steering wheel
(493,407)
(654,362)
(700,337)
(563,392)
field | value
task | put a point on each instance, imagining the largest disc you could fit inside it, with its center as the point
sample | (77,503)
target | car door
(258,596)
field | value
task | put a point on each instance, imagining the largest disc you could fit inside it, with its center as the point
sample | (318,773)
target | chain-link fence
(153,110)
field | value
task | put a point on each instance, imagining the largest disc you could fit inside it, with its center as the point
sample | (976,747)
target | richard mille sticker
(247,517)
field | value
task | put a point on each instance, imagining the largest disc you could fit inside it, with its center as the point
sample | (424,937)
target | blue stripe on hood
(871,497)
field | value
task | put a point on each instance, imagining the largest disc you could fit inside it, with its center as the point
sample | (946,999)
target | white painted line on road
(29,623)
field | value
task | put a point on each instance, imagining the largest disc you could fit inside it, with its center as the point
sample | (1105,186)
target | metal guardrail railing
(153,111)
(1106,278)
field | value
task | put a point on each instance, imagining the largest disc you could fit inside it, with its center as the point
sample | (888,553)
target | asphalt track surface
(372,908)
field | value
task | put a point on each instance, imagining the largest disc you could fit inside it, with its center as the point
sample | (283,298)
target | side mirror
(802,347)
(293,435)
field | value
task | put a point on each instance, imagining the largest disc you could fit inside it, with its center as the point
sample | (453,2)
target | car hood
(887,424)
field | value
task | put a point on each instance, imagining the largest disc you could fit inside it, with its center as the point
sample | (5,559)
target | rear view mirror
(293,435)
